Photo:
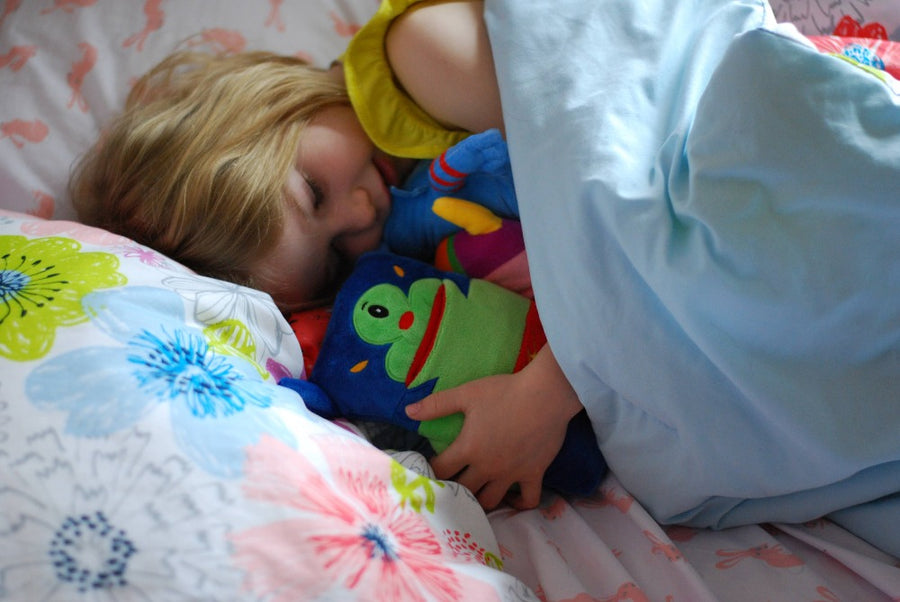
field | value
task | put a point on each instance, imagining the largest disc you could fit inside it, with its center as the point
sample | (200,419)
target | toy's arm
(314,398)
(485,153)
(475,173)
(471,217)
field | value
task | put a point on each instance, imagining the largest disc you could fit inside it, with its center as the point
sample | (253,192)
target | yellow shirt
(394,122)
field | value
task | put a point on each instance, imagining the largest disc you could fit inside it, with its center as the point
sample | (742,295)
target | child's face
(339,199)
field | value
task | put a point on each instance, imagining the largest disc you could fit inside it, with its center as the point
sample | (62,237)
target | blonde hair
(195,167)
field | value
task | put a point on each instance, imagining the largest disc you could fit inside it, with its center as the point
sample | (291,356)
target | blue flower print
(217,403)
(181,366)
(111,545)
(122,517)
(863,56)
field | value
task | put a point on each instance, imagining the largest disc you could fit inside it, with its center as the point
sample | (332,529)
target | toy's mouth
(428,339)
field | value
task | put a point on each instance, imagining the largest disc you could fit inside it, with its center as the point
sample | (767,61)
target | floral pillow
(147,453)
(853,18)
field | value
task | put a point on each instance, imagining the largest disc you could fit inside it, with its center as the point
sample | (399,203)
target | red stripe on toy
(533,339)
(439,180)
(430,336)
(454,173)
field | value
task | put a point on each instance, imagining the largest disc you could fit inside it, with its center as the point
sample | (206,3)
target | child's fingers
(492,494)
(529,495)
(436,405)
(488,492)
(451,463)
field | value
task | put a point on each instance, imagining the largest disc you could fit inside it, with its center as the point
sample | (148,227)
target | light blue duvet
(712,217)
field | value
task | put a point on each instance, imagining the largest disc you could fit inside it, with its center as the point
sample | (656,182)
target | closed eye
(318,195)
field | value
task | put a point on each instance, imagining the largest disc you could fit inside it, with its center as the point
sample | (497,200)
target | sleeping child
(400,329)
(708,202)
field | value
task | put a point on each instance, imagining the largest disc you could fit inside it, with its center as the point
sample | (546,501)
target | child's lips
(386,169)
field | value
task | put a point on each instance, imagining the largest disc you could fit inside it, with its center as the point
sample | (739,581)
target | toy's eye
(378,311)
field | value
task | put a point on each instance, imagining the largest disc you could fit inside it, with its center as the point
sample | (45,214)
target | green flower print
(42,282)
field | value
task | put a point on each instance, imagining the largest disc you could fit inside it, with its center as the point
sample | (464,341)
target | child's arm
(441,56)
(514,426)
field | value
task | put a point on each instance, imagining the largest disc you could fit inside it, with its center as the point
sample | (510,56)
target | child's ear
(314,398)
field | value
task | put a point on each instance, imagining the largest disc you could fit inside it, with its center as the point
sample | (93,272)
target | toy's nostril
(406,320)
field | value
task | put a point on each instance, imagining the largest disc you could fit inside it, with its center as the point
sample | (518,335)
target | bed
(147,453)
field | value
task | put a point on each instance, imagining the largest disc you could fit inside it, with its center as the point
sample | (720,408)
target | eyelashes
(318,195)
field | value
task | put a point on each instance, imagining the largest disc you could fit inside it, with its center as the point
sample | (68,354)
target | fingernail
(412,410)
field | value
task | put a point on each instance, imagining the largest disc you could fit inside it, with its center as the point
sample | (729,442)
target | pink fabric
(349,530)
(608,548)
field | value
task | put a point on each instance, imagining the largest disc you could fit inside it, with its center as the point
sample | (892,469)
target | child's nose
(360,211)
(356,234)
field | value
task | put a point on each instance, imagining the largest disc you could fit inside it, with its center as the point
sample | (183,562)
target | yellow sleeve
(395,123)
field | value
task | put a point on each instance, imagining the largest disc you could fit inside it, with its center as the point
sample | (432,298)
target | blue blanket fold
(723,201)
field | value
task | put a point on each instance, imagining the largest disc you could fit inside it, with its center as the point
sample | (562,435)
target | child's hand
(514,426)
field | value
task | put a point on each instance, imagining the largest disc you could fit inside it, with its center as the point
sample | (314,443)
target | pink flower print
(220,41)
(86,234)
(274,19)
(627,591)
(666,548)
(45,205)
(9,8)
(304,56)
(774,556)
(20,131)
(827,595)
(464,546)
(68,5)
(155,17)
(610,496)
(145,255)
(347,532)
(17,56)
(342,27)
(80,69)
(581,597)
(555,510)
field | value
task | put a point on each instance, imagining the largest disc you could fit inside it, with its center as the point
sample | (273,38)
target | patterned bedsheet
(146,454)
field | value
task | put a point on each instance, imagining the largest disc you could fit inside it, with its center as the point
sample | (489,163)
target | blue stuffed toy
(468,187)
(401,329)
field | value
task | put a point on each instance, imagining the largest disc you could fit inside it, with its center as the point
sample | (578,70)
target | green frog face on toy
(436,332)
(439,335)
(384,314)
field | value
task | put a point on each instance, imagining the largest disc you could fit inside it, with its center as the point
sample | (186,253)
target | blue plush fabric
(712,217)
(476,170)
